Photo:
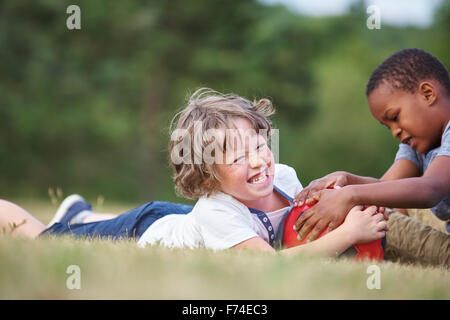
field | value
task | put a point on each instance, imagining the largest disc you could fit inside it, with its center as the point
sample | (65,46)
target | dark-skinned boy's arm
(335,204)
(417,192)
(401,168)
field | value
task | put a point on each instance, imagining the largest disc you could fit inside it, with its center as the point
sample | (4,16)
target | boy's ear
(428,92)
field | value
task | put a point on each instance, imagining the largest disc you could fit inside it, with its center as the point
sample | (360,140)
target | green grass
(36,269)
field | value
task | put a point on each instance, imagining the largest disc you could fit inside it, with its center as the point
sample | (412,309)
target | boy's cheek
(271,158)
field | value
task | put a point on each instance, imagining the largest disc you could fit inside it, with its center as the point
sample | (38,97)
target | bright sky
(399,12)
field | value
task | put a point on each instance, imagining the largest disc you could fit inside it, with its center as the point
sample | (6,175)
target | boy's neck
(272,202)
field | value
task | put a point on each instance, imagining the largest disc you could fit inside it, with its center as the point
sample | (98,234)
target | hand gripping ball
(371,250)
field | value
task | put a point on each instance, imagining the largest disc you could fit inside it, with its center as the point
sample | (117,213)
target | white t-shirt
(220,221)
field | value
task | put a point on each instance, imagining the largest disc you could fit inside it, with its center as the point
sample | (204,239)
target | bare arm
(416,192)
(355,179)
(401,168)
(336,179)
(330,244)
(398,188)
(360,226)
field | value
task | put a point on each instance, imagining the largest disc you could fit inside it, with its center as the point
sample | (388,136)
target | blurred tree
(88,110)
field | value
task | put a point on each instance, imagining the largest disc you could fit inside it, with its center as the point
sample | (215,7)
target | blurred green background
(88,110)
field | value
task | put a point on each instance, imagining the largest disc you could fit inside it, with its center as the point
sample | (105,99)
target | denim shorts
(131,224)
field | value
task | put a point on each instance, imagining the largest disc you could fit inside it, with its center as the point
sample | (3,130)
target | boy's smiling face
(411,117)
(248,173)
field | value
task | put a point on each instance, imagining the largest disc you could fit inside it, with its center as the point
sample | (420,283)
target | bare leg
(17,221)
(99,217)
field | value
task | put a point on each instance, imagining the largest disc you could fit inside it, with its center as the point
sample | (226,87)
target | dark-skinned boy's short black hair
(406,68)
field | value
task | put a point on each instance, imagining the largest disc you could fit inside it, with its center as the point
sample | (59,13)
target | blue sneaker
(70,209)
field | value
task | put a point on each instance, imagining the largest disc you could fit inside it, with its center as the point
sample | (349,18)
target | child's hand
(384,212)
(333,180)
(329,212)
(365,225)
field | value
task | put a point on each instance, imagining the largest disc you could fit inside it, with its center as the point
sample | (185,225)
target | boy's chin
(253,198)
(423,148)
(265,192)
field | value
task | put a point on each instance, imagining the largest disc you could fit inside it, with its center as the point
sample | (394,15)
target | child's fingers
(316,196)
(332,226)
(381,234)
(302,219)
(371,210)
(313,198)
(300,198)
(306,228)
(318,228)
(357,208)
(378,217)
(381,226)
(383,211)
(340,182)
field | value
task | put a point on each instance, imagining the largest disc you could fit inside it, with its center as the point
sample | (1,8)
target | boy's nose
(255,160)
(397,132)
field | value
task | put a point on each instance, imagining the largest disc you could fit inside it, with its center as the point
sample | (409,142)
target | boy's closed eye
(239,160)
(261,147)
(393,119)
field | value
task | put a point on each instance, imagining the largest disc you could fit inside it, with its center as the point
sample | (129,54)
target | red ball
(371,250)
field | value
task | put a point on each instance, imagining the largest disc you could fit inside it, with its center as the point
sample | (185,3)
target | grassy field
(37,269)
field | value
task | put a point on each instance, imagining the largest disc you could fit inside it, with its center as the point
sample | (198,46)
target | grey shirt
(442,209)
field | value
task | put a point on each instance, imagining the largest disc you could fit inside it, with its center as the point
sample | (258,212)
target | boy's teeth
(259,179)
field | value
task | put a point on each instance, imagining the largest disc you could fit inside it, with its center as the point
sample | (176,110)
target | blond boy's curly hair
(210,110)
